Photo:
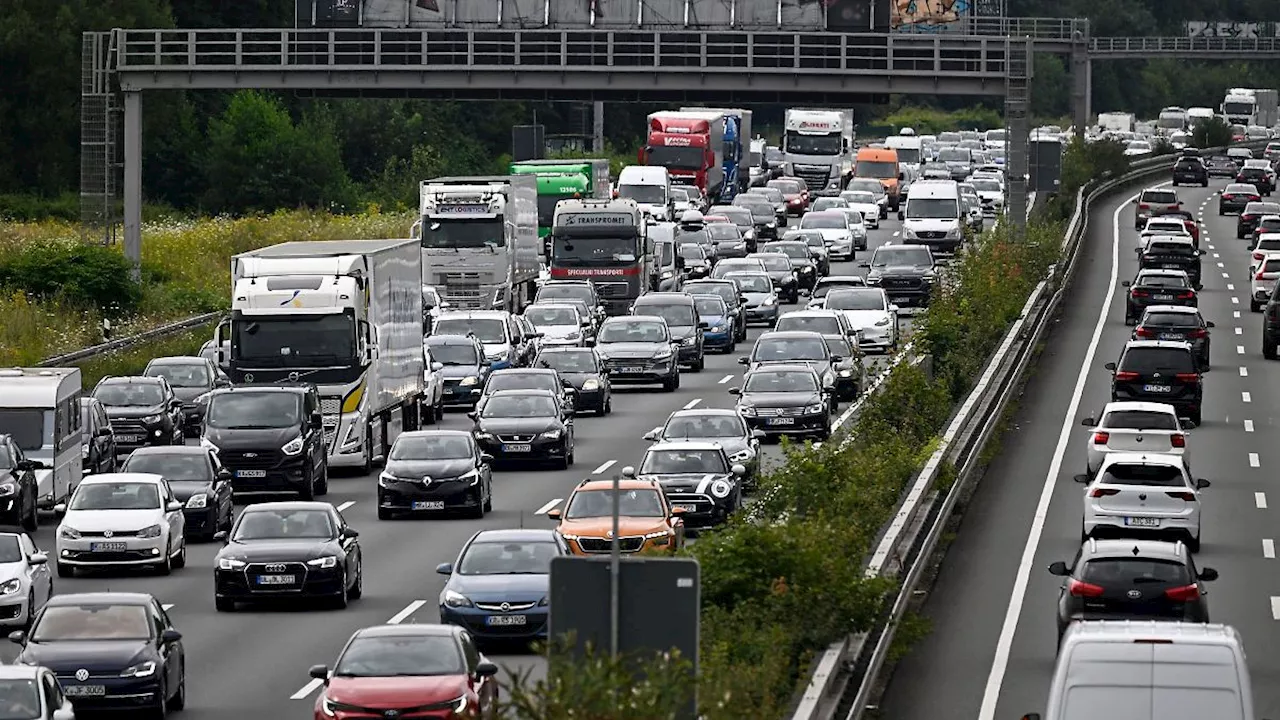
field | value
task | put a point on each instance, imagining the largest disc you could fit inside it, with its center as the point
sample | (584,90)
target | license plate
(507,620)
(517,447)
(1157,388)
(687,508)
(1171,266)
(428,505)
(128,438)
(782,421)
(631,370)
(251,473)
(277,579)
(1170,336)
(84,690)
(1142,522)
(1161,297)
(107,547)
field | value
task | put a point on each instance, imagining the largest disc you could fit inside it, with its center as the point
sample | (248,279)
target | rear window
(1171,248)
(1171,319)
(1157,359)
(1168,281)
(1153,475)
(1134,571)
(1261,208)
(1268,244)
(1139,420)
(1271,266)
(1189,164)
(1160,196)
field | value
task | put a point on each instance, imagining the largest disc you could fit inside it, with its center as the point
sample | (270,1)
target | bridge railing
(1245,48)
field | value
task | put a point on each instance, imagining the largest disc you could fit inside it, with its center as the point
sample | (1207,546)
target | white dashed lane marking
(692,403)
(1244,371)
(1275,607)
(1253,460)
(604,466)
(1239,331)
(1235,314)
(1248,426)
(406,613)
(726,379)
(1260,499)
(546,508)
(1269,548)
(346,506)
(1246,397)
(1239,349)
(1229,285)
(1235,301)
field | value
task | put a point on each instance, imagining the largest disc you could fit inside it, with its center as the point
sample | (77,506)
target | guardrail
(854,663)
(172,328)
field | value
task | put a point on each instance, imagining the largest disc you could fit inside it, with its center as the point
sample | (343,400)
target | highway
(990,652)
(255,661)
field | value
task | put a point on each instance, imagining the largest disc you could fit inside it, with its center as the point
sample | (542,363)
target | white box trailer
(40,412)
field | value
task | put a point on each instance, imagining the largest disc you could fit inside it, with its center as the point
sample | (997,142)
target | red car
(410,672)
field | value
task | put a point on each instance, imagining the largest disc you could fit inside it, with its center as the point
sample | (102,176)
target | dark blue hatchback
(498,589)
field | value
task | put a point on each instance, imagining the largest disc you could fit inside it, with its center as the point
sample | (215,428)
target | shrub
(927,121)
(76,273)
(1213,132)
(30,208)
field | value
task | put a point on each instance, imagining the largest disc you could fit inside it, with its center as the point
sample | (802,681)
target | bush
(927,121)
(131,361)
(31,208)
(78,274)
(1214,132)
(1082,164)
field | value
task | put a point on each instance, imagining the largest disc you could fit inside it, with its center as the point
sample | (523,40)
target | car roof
(477,314)
(1139,406)
(289,505)
(815,312)
(1126,458)
(101,598)
(1178,309)
(406,629)
(434,433)
(515,535)
(265,387)
(131,380)
(1169,344)
(179,360)
(703,411)
(139,477)
(1164,550)
(617,319)
(591,484)
(20,672)
(686,445)
(784,367)
(556,303)
(450,339)
(169,450)
(523,371)
(663,297)
(788,335)
(1127,631)
(1148,272)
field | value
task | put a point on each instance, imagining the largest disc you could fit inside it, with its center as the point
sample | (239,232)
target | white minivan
(650,187)
(933,216)
(40,410)
(1150,670)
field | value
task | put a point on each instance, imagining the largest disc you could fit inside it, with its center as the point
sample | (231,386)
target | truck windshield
(27,426)
(932,209)
(445,233)
(594,251)
(686,158)
(295,341)
(875,169)
(798,144)
(1237,108)
(650,194)
(547,208)
(908,155)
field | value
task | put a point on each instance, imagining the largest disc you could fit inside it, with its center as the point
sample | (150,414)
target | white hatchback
(1137,494)
(1131,427)
(121,519)
(1263,281)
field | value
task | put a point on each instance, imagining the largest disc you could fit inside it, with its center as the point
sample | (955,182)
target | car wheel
(308,489)
(1254,306)
(343,598)
(180,560)
(65,570)
(488,500)
(162,701)
(224,604)
(166,565)
(1268,349)
(357,590)
(31,521)
(700,363)
(179,699)
(322,487)
(1193,544)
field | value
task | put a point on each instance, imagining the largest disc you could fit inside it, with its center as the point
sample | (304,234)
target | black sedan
(582,369)
(18,491)
(723,426)
(1222,166)
(1251,216)
(465,369)
(1236,196)
(435,471)
(785,400)
(525,425)
(1172,252)
(783,274)
(1139,579)
(697,476)
(110,651)
(529,379)
(1157,287)
(802,260)
(283,551)
(198,481)
(697,263)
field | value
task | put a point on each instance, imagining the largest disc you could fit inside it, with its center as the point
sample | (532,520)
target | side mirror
(738,469)
(445,568)
(486,669)
(735,391)
(1082,478)
(1110,366)
(1201,483)
(704,325)
(629,472)
(221,535)
(437,367)
(60,508)
(1187,423)
(1089,422)
(319,672)
(351,533)
(744,361)
(472,415)
(902,215)
(759,435)
(1134,201)
(224,474)
(1204,252)
(1126,283)
(1060,569)
(1211,324)
(317,422)
(554,513)
(61,714)
(1208,574)
(173,506)
(677,511)
(486,458)
(38,558)
(653,435)
(894,308)
(18,637)
(170,636)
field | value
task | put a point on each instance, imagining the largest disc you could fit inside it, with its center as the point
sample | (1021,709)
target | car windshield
(1138,474)
(116,496)
(284,524)
(1129,571)
(752,283)
(401,656)
(1240,189)
(726,292)
(240,410)
(521,380)
(569,361)
(704,426)
(709,306)
(648,194)
(454,353)
(172,466)
(20,700)
(667,462)
(856,299)
(185,375)
(779,349)
(129,394)
(931,209)
(780,382)
(825,324)
(487,330)
(985,185)
(1148,360)
(632,331)
(860,198)
(10,549)
(916,256)
(545,315)
(61,623)
(760,209)
(432,447)
(519,406)
(1139,420)
(508,558)
(1168,281)
(774,262)
(690,251)
(876,169)
(635,502)
(1165,226)
(570,292)
(788,187)
(1171,319)
(954,155)
(829,220)
(676,315)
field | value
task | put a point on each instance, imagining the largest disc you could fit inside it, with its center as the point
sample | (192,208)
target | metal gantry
(99,130)
(1017,124)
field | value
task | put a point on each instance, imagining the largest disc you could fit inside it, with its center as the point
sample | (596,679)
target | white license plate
(686,508)
(1157,388)
(251,473)
(84,690)
(428,505)
(631,370)
(782,421)
(1161,297)
(1171,266)
(1142,522)
(506,620)
(1170,336)
(107,547)
(517,447)
(277,579)
(128,438)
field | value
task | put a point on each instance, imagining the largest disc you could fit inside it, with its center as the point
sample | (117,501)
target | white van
(650,187)
(40,410)
(1150,670)
(933,216)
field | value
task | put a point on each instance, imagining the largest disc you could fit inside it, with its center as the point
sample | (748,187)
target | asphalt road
(255,661)
(991,650)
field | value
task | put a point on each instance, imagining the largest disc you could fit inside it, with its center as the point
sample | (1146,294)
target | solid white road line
(1246,397)
(346,505)
(726,379)
(1260,499)
(999,665)
(543,510)
(307,689)
(404,614)
(604,466)
(1275,607)
(1244,371)
(692,403)
(1269,548)
(1248,426)
(1253,460)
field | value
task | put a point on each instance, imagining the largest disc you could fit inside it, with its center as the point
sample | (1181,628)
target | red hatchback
(408,672)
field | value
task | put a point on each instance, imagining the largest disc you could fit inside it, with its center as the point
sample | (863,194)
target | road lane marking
(726,379)
(1244,371)
(991,694)
(1225,276)
(1253,460)
(346,505)
(1246,397)
(1239,331)
(1219,264)
(1235,314)
(307,689)
(604,466)
(1275,607)
(1217,255)
(692,403)
(545,508)
(1239,349)
(1235,301)
(167,607)
(1269,548)
(409,610)
(1248,426)
(1229,285)
(1260,499)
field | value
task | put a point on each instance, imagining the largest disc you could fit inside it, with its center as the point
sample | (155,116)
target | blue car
(720,331)
(499,587)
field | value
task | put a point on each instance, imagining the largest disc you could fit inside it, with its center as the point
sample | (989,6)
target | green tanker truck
(561,180)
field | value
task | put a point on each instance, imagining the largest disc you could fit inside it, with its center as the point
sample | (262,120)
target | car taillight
(1139,293)
(1103,492)
(1255,198)
(1200,333)
(1144,206)
(1186,295)
(1084,589)
(1228,196)
(1186,593)
(1144,332)
(1257,256)
(1178,440)
(1248,217)
(1188,377)
(1239,178)
(1125,375)
(1189,497)
(1101,438)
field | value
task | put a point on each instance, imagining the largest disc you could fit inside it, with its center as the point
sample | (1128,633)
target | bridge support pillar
(1081,89)
(597,127)
(133,182)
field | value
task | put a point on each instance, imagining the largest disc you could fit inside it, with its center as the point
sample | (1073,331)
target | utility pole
(615,569)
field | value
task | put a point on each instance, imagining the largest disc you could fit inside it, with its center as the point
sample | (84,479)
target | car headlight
(552,434)
(664,355)
(657,534)
(591,384)
(328,707)
(740,456)
(456,599)
(666,275)
(145,669)
(207,444)
(749,410)
(768,301)
(84,451)
(151,531)
(230,564)
(482,435)
(68,533)
(293,447)
(807,269)
(882,322)
(469,381)
(721,489)
(324,563)
(573,336)
(198,501)
(8,488)
(873,279)
(471,477)
(828,378)
(953,233)
(771,225)
(846,373)
(814,408)
(11,587)
(150,419)
(544,601)
(499,356)
(930,277)
(908,234)
(689,341)
(459,706)
(717,328)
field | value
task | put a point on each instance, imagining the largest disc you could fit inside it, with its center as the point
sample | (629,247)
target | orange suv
(646,520)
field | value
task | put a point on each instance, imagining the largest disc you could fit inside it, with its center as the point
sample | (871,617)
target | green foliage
(1214,132)
(600,687)
(927,121)
(75,273)
(617,159)
(31,208)
(1082,164)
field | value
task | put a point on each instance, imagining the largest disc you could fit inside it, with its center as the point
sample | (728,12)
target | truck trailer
(563,180)
(746,155)
(690,146)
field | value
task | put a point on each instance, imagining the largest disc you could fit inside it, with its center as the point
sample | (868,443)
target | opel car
(500,585)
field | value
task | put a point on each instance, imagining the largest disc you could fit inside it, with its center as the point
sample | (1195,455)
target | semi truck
(345,316)
(818,147)
(561,180)
(1116,122)
(1250,106)
(690,146)
(605,241)
(1172,119)
(746,155)
(479,239)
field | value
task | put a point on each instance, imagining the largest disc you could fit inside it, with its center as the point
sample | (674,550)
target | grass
(131,361)
(186,269)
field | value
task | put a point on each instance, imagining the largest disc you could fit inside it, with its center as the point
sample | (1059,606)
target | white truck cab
(40,410)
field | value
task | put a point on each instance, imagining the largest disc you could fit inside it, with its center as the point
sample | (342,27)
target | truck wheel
(367,466)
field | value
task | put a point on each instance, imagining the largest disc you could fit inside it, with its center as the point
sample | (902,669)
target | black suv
(190,377)
(1257,175)
(271,438)
(1248,219)
(465,369)
(143,411)
(1172,252)
(1190,171)
(1159,371)
(904,271)
(1157,287)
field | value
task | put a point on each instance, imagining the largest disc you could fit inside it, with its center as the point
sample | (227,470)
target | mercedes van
(650,187)
(933,216)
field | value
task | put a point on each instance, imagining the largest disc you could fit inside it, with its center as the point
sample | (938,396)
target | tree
(1214,132)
